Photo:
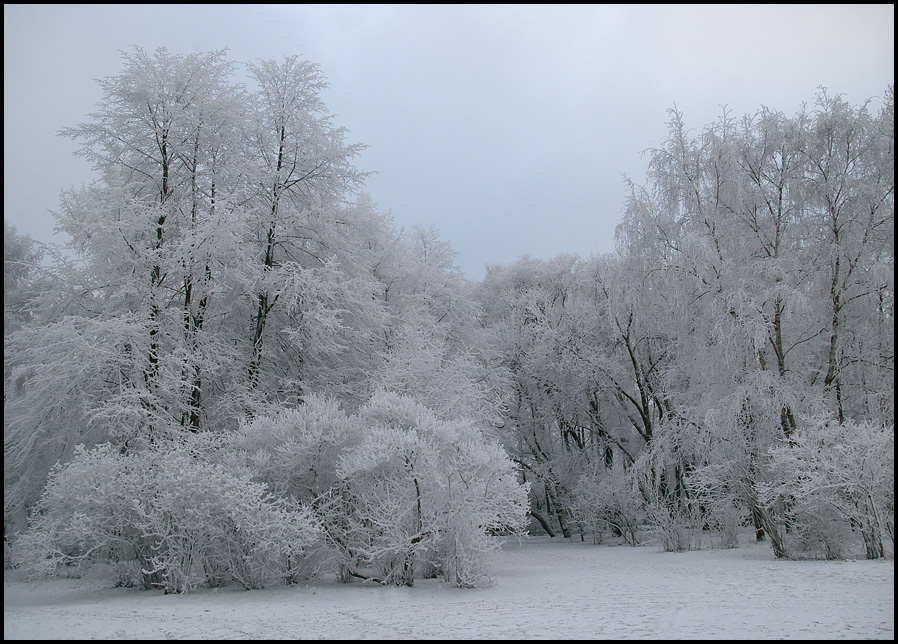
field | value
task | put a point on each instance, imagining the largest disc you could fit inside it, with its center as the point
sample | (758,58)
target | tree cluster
(240,371)
(224,274)
(752,295)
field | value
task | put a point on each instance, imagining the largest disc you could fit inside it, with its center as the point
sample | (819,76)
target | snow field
(545,589)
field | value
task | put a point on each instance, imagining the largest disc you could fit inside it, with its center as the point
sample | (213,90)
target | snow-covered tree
(21,263)
(768,235)
(297,228)
(221,222)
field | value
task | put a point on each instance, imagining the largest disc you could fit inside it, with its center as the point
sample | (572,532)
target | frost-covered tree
(435,349)
(122,351)
(528,308)
(769,234)
(220,232)
(752,290)
(849,190)
(300,231)
(154,231)
(21,262)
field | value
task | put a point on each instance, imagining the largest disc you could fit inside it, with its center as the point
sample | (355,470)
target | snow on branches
(400,492)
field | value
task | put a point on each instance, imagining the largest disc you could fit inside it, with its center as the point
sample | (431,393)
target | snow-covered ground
(545,589)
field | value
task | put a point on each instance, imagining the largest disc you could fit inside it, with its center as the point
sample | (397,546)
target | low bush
(834,479)
(169,513)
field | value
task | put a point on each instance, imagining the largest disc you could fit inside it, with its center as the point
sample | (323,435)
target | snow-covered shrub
(420,494)
(481,497)
(89,511)
(175,516)
(608,500)
(725,520)
(400,492)
(675,528)
(723,492)
(672,518)
(835,476)
(213,523)
(818,532)
(295,452)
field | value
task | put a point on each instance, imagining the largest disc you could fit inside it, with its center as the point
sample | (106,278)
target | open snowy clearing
(546,589)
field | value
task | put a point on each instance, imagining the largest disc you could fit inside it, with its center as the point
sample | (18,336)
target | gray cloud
(507,127)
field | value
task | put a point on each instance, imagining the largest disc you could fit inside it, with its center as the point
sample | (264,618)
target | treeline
(235,302)
(734,361)
(234,311)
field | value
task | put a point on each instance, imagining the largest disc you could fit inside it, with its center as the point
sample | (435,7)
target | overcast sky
(507,127)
